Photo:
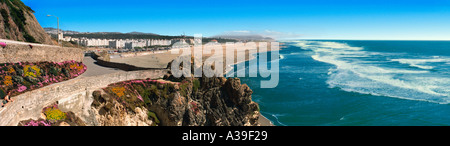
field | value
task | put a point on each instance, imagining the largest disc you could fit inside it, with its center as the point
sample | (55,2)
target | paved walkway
(95,70)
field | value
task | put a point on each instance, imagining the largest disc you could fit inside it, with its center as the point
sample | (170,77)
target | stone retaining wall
(73,95)
(121,66)
(14,53)
(135,54)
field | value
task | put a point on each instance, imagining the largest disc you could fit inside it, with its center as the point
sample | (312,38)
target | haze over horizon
(283,19)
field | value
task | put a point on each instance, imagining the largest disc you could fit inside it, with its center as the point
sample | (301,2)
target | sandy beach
(160,60)
(157,60)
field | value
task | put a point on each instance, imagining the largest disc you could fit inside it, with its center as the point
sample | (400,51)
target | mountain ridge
(51,30)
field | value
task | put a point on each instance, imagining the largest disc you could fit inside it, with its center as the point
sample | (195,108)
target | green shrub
(5,18)
(29,38)
(153,116)
(196,85)
(17,79)
(65,72)
(146,95)
(2,93)
(183,89)
(54,71)
(53,113)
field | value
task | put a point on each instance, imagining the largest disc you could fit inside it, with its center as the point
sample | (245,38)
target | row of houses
(127,43)
(122,44)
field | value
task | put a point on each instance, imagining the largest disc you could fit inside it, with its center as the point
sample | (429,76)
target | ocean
(358,83)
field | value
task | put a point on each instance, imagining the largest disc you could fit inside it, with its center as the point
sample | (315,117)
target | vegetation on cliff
(53,116)
(20,24)
(185,101)
(16,78)
(191,102)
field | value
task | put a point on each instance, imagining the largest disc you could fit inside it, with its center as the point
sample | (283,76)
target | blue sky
(283,19)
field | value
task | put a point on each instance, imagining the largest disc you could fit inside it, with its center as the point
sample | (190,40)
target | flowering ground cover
(138,93)
(53,116)
(144,93)
(16,78)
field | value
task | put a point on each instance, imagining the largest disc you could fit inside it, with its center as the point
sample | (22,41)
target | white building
(130,45)
(116,44)
(160,42)
(93,42)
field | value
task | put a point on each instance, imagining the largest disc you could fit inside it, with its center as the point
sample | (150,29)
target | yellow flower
(36,68)
(54,114)
(73,66)
(29,71)
(119,91)
(11,70)
(8,81)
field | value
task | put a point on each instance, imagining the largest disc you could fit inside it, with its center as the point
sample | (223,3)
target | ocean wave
(419,62)
(276,117)
(295,53)
(377,77)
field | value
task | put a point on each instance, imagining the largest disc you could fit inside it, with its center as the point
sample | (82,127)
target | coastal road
(95,70)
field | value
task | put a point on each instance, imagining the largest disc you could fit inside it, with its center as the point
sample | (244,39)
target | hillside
(17,22)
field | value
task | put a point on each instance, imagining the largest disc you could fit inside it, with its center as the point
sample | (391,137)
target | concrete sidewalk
(95,70)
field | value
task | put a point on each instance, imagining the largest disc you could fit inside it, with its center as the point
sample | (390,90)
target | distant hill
(17,22)
(141,33)
(51,30)
(109,35)
(248,37)
(130,35)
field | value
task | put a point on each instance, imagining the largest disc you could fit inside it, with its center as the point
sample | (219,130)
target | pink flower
(21,88)
(45,124)
(35,123)
(3,44)
(140,97)
(32,123)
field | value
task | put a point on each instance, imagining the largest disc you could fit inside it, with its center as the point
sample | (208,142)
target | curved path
(95,70)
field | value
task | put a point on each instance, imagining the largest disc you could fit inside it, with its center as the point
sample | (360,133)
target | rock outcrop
(112,113)
(53,116)
(193,102)
(17,22)
(185,101)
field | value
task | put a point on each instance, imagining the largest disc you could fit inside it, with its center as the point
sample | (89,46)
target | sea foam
(377,73)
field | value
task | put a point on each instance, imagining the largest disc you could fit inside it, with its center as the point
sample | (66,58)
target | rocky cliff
(17,22)
(192,102)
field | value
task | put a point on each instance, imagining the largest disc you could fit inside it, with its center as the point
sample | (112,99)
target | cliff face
(110,112)
(17,22)
(192,102)
(171,101)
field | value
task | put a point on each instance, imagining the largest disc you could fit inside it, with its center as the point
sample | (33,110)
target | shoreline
(263,121)
(162,59)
